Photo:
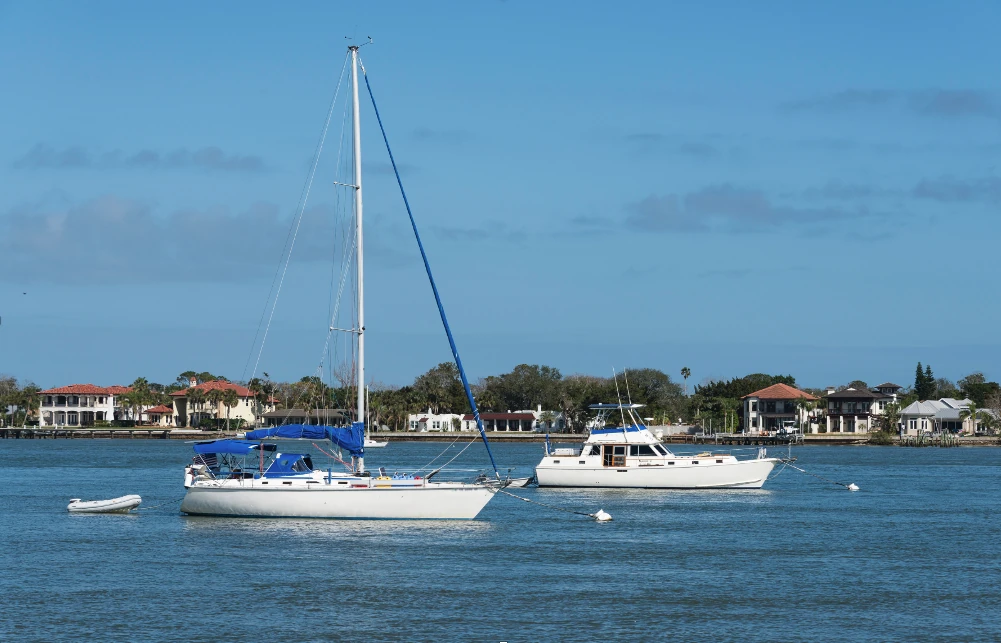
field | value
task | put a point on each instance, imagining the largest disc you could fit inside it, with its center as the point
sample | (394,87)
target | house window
(754,406)
(754,422)
(100,400)
(769,407)
(48,400)
(790,407)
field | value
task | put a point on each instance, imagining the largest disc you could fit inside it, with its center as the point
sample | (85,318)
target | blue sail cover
(350,438)
(231,447)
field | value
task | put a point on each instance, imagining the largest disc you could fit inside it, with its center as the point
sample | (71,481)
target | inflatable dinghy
(122,505)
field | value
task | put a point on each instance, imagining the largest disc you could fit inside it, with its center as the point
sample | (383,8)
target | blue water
(913,556)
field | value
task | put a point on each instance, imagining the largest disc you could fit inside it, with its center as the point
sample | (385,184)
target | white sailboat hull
(434,501)
(707,474)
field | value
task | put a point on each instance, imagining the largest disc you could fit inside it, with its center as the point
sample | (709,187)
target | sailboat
(251,477)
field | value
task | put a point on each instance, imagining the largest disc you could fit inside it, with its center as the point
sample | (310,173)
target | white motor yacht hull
(434,501)
(707,474)
(374,444)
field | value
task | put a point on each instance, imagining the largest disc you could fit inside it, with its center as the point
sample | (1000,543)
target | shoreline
(725,440)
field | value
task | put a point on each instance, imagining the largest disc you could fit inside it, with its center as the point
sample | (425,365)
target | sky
(799,188)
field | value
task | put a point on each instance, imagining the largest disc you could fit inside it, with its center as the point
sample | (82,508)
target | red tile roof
(781,392)
(86,389)
(163,408)
(213,385)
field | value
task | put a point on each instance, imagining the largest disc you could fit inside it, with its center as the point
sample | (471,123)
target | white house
(435,422)
(80,405)
(190,413)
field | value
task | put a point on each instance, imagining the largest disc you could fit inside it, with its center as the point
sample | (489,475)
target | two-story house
(853,410)
(80,405)
(769,408)
(190,412)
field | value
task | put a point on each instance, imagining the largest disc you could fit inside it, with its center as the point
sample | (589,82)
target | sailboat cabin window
(659,449)
(595,449)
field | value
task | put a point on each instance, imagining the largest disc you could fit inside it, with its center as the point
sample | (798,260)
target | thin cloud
(840,191)
(113,240)
(939,103)
(948,189)
(489,231)
(46,157)
(725,208)
(645,143)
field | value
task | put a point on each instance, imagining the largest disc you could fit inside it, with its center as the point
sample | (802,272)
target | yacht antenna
(356,123)
(622,415)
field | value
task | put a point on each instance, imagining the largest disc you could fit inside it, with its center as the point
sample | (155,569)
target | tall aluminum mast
(356,118)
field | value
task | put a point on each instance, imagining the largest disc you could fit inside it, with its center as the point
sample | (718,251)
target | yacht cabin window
(641,450)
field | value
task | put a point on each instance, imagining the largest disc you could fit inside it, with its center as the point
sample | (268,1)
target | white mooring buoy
(852,487)
(602,516)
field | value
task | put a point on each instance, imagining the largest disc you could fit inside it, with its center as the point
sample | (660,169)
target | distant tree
(686,373)
(196,398)
(215,398)
(804,406)
(993,405)
(944,387)
(976,387)
(924,382)
(442,389)
(229,400)
(858,385)
(889,420)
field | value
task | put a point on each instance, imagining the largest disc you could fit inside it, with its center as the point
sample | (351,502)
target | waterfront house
(767,409)
(429,421)
(191,413)
(161,415)
(853,410)
(939,416)
(888,389)
(80,405)
(519,421)
(328,417)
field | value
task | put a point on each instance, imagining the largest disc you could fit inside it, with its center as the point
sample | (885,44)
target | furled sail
(350,438)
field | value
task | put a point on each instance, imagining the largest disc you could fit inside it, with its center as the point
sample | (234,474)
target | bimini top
(350,438)
(231,447)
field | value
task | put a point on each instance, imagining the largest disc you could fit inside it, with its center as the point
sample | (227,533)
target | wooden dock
(144,432)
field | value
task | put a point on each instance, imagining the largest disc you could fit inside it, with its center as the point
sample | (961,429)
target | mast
(356,121)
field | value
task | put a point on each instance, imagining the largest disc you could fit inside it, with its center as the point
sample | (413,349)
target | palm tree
(980,416)
(804,406)
(196,396)
(215,396)
(29,402)
(229,399)
(686,373)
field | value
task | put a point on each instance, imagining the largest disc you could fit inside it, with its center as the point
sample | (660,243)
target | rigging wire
(434,287)
(303,198)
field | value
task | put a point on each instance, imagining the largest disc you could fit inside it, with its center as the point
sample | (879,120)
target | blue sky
(804,188)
